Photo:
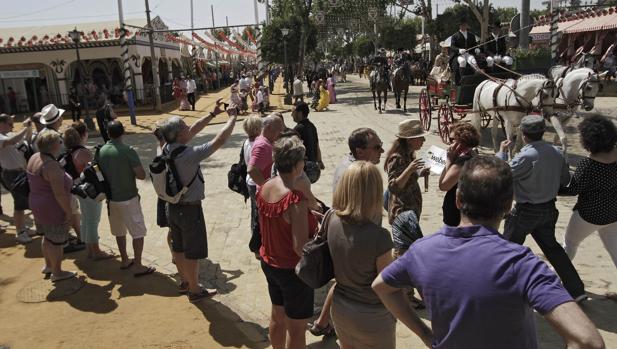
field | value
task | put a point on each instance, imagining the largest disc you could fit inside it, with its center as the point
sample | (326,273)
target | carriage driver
(462,46)
(496,49)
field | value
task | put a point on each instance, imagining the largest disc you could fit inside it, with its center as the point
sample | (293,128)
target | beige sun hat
(410,128)
(50,114)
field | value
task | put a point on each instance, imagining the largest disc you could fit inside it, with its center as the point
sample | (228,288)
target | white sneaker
(23,237)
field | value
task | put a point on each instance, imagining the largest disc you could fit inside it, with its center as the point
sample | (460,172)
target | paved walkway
(234,271)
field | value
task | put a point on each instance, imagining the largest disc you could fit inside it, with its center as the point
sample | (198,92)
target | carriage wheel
(425,110)
(485,119)
(444,121)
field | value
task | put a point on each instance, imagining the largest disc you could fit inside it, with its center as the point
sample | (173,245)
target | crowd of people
(471,278)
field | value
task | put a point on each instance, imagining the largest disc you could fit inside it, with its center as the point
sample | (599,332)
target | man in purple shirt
(479,288)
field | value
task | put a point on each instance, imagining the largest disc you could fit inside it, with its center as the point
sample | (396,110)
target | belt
(538,204)
(187,203)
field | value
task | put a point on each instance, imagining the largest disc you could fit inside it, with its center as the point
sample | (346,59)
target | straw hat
(410,129)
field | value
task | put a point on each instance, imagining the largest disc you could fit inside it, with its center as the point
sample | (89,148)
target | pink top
(261,156)
(43,204)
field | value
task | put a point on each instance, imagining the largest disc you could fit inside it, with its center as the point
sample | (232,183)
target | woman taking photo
(404,169)
(286,224)
(464,138)
(75,138)
(50,201)
(360,249)
(595,182)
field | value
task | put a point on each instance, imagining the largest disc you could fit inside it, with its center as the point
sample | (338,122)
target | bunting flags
(248,33)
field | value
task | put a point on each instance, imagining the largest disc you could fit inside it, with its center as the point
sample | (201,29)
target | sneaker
(204,294)
(23,237)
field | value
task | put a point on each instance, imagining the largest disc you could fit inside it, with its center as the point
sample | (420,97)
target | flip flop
(148,271)
(125,267)
(67,276)
(106,255)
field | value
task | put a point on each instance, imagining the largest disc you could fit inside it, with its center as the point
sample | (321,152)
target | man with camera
(13,164)
(121,166)
(186,221)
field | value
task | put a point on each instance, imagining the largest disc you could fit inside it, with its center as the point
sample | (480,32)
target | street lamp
(287,99)
(75,35)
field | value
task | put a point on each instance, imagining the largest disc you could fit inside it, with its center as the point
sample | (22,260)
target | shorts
(161,215)
(126,216)
(74,205)
(20,202)
(287,290)
(56,234)
(188,230)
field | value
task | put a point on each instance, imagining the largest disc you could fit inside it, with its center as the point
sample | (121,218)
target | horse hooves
(398,107)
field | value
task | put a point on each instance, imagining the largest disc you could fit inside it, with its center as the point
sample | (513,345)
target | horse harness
(581,97)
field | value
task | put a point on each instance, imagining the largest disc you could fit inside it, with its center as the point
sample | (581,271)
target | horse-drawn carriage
(457,102)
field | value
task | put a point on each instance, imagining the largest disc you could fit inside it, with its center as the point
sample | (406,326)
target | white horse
(559,71)
(577,89)
(512,100)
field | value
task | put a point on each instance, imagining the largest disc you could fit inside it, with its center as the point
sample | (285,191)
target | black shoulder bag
(315,267)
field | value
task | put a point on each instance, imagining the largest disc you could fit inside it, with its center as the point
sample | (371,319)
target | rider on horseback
(496,49)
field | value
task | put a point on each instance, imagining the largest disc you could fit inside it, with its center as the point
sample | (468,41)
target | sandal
(125,267)
(316,330)
(147,271)
(64,276)
(103,255)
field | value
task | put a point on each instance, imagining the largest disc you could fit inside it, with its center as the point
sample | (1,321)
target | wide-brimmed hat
(50,114)
(410,129)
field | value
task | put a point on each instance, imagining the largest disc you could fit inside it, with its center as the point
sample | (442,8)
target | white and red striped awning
(584,21)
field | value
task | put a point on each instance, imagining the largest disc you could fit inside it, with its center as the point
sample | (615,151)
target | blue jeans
(90,218)
(539,220)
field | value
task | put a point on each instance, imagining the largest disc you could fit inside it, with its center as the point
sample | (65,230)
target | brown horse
(400,83)
(379,83)
(418,74)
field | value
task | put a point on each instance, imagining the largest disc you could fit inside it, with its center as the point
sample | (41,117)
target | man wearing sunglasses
(364,144)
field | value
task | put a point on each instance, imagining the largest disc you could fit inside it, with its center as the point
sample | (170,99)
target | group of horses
(399,80)
(556,96)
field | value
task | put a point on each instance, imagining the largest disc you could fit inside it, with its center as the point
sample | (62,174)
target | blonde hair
(252,126)
(359,194)
(46,140)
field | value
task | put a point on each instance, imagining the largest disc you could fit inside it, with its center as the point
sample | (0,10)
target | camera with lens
(84,190)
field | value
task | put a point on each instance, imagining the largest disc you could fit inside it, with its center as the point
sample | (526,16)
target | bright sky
(175,13)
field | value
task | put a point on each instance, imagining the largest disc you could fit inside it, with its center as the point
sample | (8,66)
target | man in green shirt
(121,166)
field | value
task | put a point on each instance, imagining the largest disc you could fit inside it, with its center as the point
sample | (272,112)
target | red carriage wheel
(444,121)
(425,109)
(485,119)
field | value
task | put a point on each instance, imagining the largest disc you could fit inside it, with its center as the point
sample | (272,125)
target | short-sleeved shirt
(341,168)
(538,170)
(354,249)
(407,198)
(10,157)
(596,185)
(261,156)
(247,146)
(188,166)
(308,133)
(117,161)
(479,289)
(297,88)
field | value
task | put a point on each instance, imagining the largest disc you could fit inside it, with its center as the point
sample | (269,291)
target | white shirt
(248,146)
(244,84)
(260,97)
(298,88)
(10,157)
(464,34)
(191,86)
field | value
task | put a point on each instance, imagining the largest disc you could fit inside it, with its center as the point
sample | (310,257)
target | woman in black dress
(464,138)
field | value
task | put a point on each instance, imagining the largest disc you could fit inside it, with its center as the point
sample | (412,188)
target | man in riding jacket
(496,49)
(462,49)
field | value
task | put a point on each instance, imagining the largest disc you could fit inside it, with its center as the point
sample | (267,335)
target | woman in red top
(286,224)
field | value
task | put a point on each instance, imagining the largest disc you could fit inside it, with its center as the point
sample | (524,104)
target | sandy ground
(115,310)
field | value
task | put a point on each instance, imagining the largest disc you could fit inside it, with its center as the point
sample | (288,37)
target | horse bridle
(580,96)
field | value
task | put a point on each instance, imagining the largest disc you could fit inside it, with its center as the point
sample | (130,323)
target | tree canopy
(272,40)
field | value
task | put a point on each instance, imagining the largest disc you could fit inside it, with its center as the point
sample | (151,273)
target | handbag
(315,267)
(236,177)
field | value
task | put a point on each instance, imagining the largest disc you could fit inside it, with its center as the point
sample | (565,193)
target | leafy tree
(363,46)
(272,40)
(398,34)
(504,14)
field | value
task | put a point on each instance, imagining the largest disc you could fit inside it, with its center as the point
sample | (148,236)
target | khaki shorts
(74,205)
(126,216)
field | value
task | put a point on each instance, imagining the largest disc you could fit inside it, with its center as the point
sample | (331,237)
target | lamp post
(285,31)
(75,35)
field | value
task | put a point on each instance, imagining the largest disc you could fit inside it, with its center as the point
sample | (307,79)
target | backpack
(165,177)
(92,181)
(66,160)
(236,177)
